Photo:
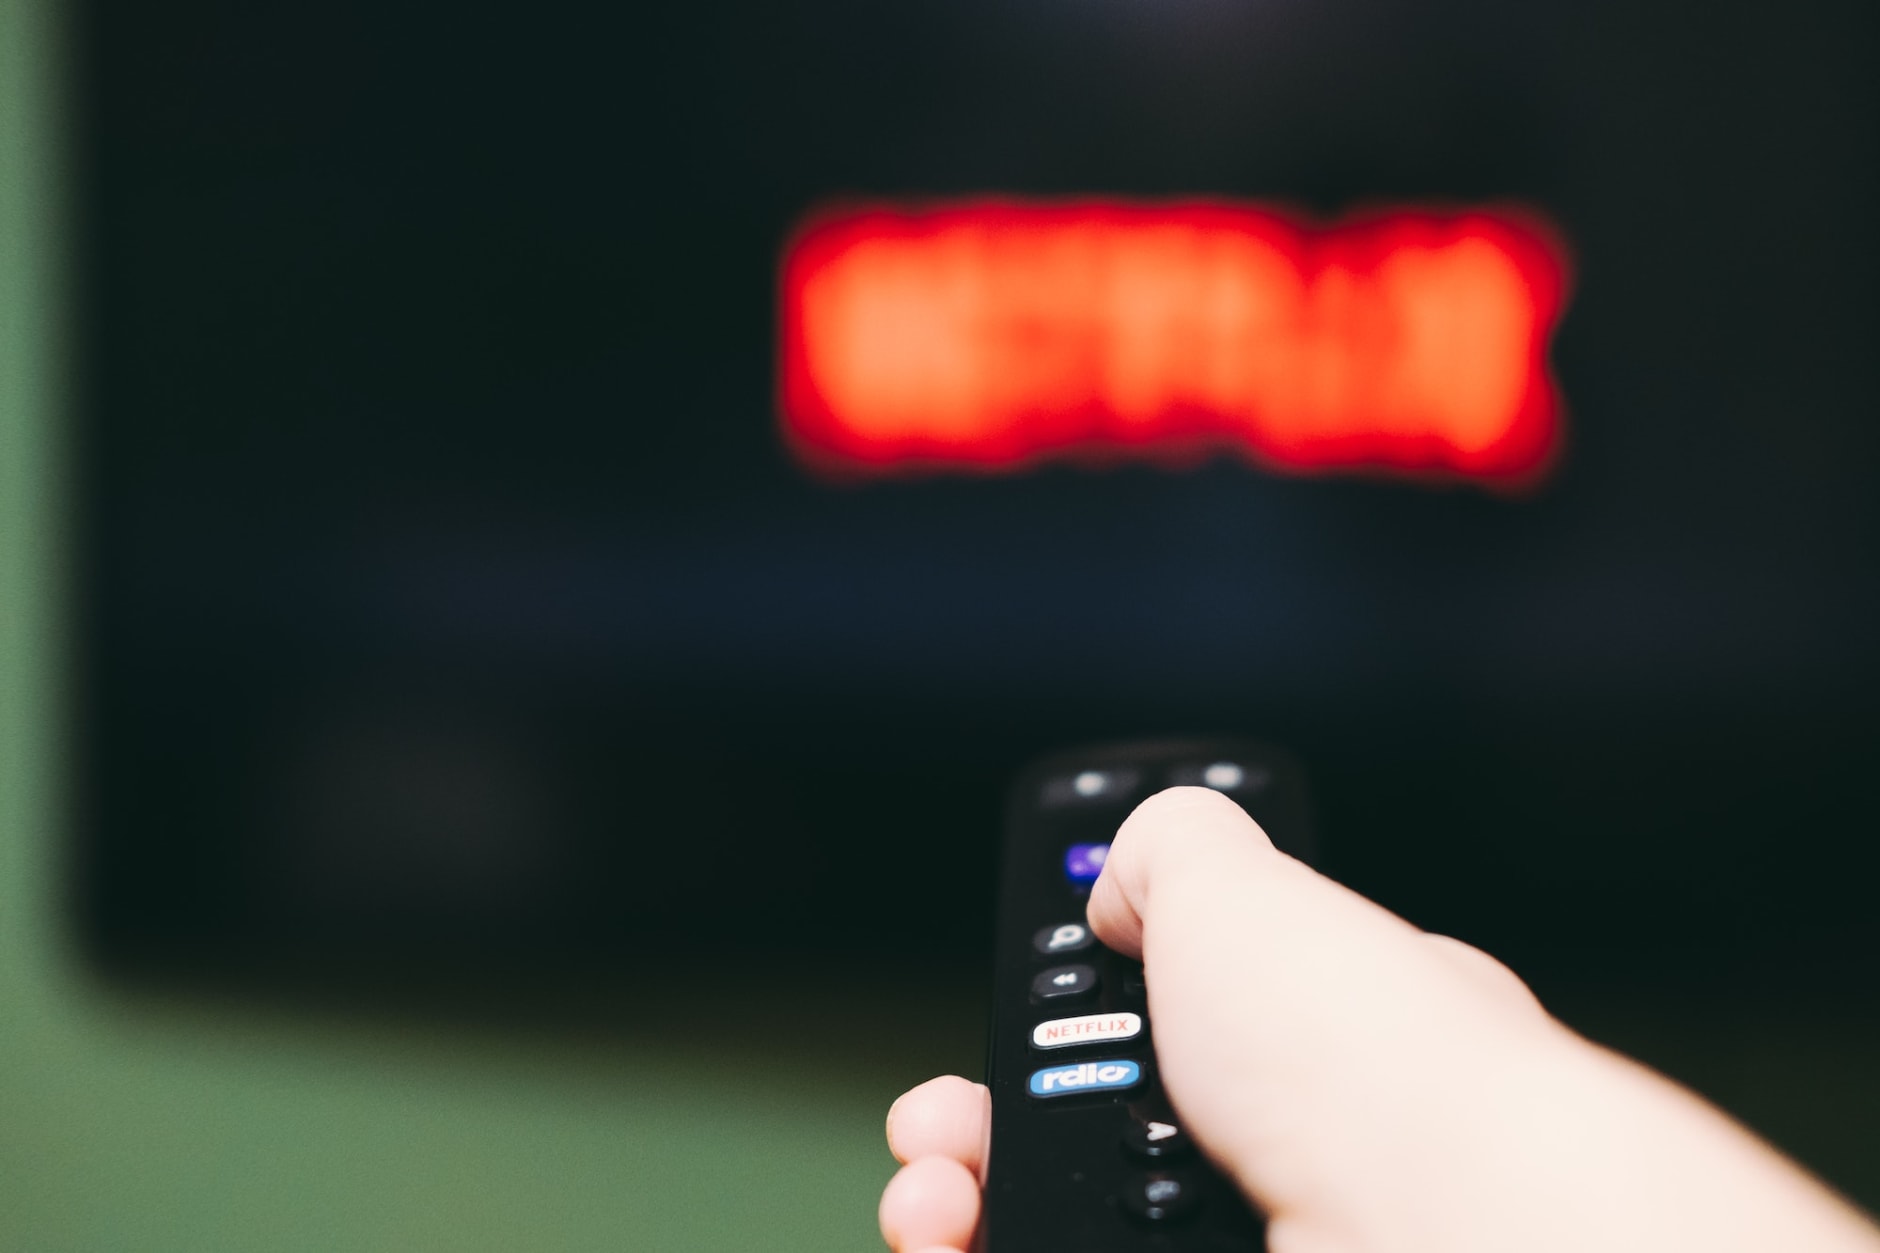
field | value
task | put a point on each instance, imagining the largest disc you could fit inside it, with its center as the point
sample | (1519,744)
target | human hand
(1371,1087)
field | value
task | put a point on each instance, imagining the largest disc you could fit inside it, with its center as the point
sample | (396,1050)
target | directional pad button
(1158,1141)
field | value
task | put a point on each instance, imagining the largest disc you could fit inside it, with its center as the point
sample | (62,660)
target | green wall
(149,1122)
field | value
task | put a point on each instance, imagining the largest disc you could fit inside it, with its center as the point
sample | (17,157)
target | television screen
(576,485)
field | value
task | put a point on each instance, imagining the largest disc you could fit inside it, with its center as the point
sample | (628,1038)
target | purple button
(1084,862)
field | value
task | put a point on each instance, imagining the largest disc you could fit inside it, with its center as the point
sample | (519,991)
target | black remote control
(1087,1155)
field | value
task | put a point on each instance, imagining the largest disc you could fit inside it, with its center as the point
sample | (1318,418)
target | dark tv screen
(454,596)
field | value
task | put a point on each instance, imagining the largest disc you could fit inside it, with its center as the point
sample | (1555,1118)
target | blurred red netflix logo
(991,335)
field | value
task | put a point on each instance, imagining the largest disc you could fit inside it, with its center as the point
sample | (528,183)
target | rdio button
(1086,1077)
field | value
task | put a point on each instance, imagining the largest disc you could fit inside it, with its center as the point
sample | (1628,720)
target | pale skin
(1373,1088)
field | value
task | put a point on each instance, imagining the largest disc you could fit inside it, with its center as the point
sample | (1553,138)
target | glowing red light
(988,335)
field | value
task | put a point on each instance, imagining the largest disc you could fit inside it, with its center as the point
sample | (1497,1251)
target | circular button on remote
(1157,1141)
(1068,937)
(1063,983)
(1160,1197)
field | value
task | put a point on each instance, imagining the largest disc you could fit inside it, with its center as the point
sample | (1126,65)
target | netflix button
(1089,1029)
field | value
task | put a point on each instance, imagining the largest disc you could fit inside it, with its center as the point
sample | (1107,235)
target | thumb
(1305,1034)
(1370,1086)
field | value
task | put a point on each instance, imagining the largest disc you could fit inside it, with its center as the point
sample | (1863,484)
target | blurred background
(467,783)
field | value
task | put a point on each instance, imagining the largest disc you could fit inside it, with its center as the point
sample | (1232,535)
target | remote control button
(1222,776)
(1090,1029)
(1069,937)
(1158,1141)
(1088,786)
(1104,1076)
(1063,983)
(1161,1198)
(1084,862)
